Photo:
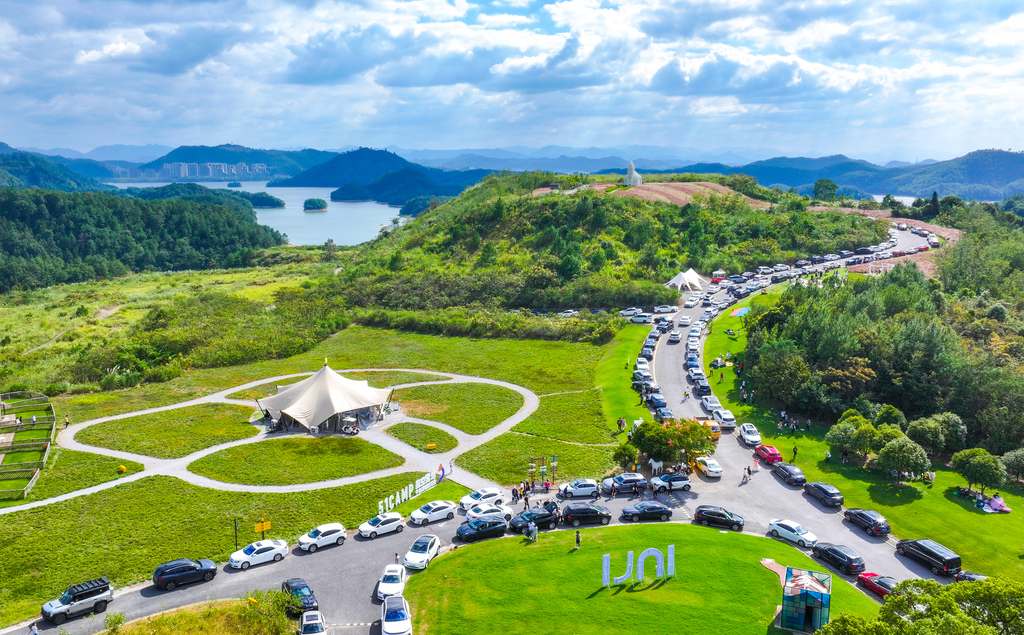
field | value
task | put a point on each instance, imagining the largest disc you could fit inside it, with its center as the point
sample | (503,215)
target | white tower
(632,178)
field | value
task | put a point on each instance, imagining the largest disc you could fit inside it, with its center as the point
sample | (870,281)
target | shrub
(979,467)
(926,433)
(903,455)
(890,414)
(1014,462)
(624,455)
(161,374)
(59,388)
(840,437)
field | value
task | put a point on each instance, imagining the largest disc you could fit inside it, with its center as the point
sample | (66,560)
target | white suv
(87,597)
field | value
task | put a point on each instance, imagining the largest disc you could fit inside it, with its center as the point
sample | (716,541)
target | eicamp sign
(411,490)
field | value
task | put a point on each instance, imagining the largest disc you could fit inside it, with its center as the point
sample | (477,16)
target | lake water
(346,223)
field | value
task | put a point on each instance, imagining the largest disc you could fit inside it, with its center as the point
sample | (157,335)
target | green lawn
(574,416)
(445,491)
(264,390)
(720,582)
(70,470)
(377,379)
(419,435)
(132,528)
(172,434)
(472,408)
(295,460)
(24,456)
(25,435)
(613,375)
(988,543)
(213,618)
(506,459)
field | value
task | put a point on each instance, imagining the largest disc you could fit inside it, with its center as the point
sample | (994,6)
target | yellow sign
(264,526)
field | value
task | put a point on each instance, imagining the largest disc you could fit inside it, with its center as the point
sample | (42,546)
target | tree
(851,412)
(691,438)
(903,455)
(267,611)
(926,433)
(314,204)
(979,467)
(865,439)
(624,455)
(825,189)
(780,371)
(840,437)
(933,205)
(329,251)
(655,442)
(1014,462)
(954,431)
(888,432)
(891,414)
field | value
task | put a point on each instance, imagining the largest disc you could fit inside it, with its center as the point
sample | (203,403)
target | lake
(346,223)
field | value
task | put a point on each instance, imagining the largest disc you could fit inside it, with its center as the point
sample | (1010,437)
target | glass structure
(806,599)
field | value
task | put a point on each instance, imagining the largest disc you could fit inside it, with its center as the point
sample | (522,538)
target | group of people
(792,423)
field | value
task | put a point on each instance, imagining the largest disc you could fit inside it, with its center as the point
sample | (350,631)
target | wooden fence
(18,446)
(18,494)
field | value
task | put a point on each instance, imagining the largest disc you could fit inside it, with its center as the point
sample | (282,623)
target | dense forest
(23,169)
(245,201)
(49,237)
(277,161)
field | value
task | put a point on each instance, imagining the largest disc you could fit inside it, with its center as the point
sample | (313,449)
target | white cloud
(114,49)
(503,20)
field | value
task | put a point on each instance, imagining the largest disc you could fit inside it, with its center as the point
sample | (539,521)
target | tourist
(396,559)
(577,539)
(67,420)
(526,501)
(828,456)
(794,455)
(34,630)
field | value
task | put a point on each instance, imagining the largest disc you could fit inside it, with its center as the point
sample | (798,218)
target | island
(234,184)
(315,205)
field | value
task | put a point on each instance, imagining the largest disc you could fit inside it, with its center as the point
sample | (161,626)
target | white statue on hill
(632,178)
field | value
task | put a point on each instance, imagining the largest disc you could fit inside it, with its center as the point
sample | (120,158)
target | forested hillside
(278,161)
(49,237)
(246,201)
(33,170)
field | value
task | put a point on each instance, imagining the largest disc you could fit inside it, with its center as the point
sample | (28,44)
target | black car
(845,559)
(647,510)
(800,264)
(845,253)
(577,514)
(872,522)
(702,387)
(540,516)
(939,560)
(747,275)
(789,473)
(817,260)
(718,517)
(707,302)
(827,494)
(177,572)
(863,251)
(647,353)
(970,576)
(301,594)
(480,528)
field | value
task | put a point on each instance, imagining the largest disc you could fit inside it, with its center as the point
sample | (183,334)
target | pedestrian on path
(33,418)
(67,420)
(577,540)
(34,629)
(794,455)
(396,559)
(742,366)
(746,476)
(451,466)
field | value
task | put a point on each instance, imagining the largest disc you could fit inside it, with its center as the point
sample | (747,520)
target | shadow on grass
(966,503)
(894,494)
(881,487)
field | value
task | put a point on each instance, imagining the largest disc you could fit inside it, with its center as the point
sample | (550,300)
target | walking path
(415,459)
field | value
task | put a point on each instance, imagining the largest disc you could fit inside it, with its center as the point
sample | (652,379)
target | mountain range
(116,152)
(277,161)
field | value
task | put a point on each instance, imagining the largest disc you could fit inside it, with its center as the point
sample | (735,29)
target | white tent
(690,279)
(319,397)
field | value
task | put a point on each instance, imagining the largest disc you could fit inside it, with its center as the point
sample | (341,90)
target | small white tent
(690,279)
(321,396)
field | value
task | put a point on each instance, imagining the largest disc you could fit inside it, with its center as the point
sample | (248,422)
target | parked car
(258,552)
(312,623)
(709,466)
(792,531)
(487,509)
(433,512)
(938,559)
(692,360)
(423,550)
(642,375)
(647,353)
(768,454)
(749,434)
(630,312)
(170,575)
(674,337)
(692,302)
(664,308)
(842,557)
(642,364)
(710,403)
(693,345)
(872,522)
(695,374)
(684,320)
(382,524)
(391,582)
(789,473)
(568,313)
(642,318)
(78,599)
(395,617)
(970,576)
(485,495)
(623,483)
(647,510)
(540,516)
(580,487)
(322,536)
(669,482)
(490,527)
(827,494)
(714,515)
(656,400)
(302,594)
(663,413)
(880,585)
(581,513)
(724,418)
(702,387)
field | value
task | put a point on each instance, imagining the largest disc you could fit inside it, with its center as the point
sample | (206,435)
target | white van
(642,318)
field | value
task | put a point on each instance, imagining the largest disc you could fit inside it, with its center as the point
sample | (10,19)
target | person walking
(794,455)
(67,420)
(746,476)
(721,377)
(577,540)
(526,501)
(515,495)
(33,418)
(828,456)
(34,628)
(396,559)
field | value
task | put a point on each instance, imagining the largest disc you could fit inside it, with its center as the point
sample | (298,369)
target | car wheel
(935,571)
(245,565)
(847,516)
(686,488)
(568,494)
(661,489)
(424,522)
(635,518)
(704,522)
(664,516)
(312,548)
(508,517)
(59,618)
(899,550)
(552,524)
(99,607)
(340,541)
(595,494)
(208,576)
(775,533)
(576,522)
(450,515)
(605,520)
(277,557)
(801,543)
(400,528)
(735,527)
(373,535)
(860,582)
(170,586)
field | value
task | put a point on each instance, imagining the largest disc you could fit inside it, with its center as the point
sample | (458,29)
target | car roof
(425,538)
(394,567)
(175,563)
(388,515)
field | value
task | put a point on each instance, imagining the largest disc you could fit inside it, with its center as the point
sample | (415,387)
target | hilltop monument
(632,178)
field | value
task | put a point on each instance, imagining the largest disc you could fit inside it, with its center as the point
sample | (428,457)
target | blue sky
(897,79)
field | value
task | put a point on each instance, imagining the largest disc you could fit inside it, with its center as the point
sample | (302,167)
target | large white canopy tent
(323,397)
(690,279)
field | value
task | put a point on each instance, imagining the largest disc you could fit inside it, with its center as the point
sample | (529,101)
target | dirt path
(107,312)
(46,343)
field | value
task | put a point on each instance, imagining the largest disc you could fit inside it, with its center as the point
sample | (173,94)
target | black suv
(872,522)
(847,560)
(87,597)
(577,514)
(717,516)
(540,516)
(940,560)
(170,574)
(789,473)
(301,594)
(827,494)
(702,387)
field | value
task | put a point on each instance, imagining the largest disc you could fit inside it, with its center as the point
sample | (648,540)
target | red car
(898,252)
(768,454)
(880,585)
(922,248)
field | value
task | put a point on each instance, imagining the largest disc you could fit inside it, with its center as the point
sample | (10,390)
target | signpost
(262,527)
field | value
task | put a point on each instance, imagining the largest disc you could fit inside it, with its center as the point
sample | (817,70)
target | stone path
(415,459)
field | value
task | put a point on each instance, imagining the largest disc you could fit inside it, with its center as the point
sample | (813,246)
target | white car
(664,308)
(725,419)
(710,403)
(580,487)
(486,495)
(569,313)
(329,534)
(642,318)
(382,524)
(433,512)
(630,312)
(675,336)
(685,320)
(422,551)
(695,331)
(792,531)
(395,617)
(695,374)
(750,435)
(780,267)
(693,344)
(259,552)
(713,289)
(392,581)
(487,509)
(692,302)
(709,466)
(311,623)
(643,364)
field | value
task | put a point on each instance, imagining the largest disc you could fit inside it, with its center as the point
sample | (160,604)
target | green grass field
(613,375)
(263,390)
(172,434)
(23,456)
(377,379)
(988,543)
(720,584)
(574,416)
(472,408)
(419,435)
(70,470)
(506,459)
(445,491)
(294,460)
(213,618)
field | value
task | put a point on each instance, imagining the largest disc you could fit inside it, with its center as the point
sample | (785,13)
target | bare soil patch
(679,193)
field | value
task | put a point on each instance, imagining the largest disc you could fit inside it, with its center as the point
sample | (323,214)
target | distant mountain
(55,152)
(6,149)
(134,154)
(277,161)
(364,165)
(990,175)
(34,170)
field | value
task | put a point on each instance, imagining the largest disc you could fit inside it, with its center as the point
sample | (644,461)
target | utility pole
(236,534)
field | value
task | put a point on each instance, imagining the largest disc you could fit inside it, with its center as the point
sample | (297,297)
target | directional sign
(264,526)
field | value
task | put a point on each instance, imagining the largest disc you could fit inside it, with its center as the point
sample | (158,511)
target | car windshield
(800,530)
(251,549)
(620,478)
(315,533)
(395,614)
(578,483)
(477,523)
(426,509)
(313,627)
(391,578)
(420,546)
(66,598)
(642,506)
(301,591)
(476,496)
(376,520)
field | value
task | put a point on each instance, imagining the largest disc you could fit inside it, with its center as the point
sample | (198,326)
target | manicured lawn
(263,390)
(133,527)
(720,583)
(988,543)
(472,408)
(70,470)
(173,433)
(574,416)
(613,375)
(295,460)
(506,459)
(220,618)
(377,379)
(445,491)
(25,435)
(419,435)
(23,456)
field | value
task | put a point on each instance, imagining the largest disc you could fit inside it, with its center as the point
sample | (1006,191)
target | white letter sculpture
(659,566)
(659,563)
